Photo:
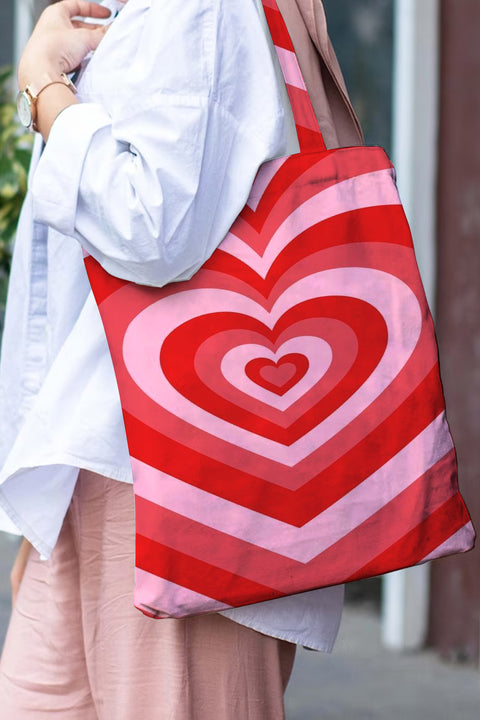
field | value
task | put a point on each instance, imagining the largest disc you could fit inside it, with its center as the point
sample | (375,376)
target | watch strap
(34,94)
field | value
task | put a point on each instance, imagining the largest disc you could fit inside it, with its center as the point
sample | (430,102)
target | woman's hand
(59,42)
(18,568)
(58,45)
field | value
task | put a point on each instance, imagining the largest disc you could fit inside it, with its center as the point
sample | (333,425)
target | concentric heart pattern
(283,408)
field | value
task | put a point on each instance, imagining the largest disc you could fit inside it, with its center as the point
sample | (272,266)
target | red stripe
(400,428)
(374,225)
(404,536)
(175,459)
(313,172)
(203,542)
(367,543)
(421,509)
(197,575)
(298,507)
(309,140)
(278,29)
(289,175)
(380,225)
(302,109)
(304,115)
(421,541)
(305,120)
(103,284)
(179,350)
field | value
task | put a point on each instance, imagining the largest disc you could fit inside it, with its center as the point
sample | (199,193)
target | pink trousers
(77,649)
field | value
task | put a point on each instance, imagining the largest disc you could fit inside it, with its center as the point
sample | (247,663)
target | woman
(146,167)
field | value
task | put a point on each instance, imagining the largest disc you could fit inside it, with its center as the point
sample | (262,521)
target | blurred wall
(362,35)
(455,598)
(6,32)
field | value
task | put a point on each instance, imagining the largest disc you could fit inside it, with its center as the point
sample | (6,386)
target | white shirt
(180,105)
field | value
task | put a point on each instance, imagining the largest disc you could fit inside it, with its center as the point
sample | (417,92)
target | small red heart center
(278,377)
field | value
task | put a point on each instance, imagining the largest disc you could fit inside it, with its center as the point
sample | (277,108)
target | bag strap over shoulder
(308,131)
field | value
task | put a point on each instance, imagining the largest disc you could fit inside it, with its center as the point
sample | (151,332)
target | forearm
(149,171)
(58,45)
(50,104)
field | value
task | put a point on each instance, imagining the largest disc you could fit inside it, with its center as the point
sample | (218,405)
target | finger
(78,24)
(92,38)
(83,8)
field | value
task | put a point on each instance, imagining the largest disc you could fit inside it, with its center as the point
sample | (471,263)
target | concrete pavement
(363,681)
(360,680)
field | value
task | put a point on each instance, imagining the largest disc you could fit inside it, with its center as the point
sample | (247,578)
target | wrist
(28,99)
(51,103)
(37,78)
(36,75)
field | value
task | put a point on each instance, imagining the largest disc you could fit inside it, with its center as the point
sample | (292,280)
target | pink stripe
(291,71)
(301,544)
(330,168)
(413,374)
(369,190)
(167,599)
(456,543)
(275,570)
(372,286)
(336,334)
(305,118)
(317,351)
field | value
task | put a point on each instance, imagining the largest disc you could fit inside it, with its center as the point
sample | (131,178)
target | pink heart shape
(278,373)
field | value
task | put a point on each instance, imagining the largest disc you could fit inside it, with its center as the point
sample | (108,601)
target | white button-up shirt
(180,105)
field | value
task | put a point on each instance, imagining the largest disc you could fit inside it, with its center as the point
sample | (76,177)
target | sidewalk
(363,681)
(360,680)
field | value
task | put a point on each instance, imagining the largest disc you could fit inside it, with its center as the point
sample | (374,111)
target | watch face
(24,109)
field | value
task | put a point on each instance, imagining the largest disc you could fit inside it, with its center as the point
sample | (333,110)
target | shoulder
(198,57)
(184,45)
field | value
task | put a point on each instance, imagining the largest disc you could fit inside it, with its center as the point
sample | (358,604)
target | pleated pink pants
(77,649)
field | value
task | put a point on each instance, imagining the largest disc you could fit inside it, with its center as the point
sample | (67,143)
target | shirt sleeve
(150,185)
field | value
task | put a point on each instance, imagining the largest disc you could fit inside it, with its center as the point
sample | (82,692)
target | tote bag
(283,408)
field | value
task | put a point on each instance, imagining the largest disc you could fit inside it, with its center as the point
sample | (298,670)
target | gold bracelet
(27,100)
(64,81)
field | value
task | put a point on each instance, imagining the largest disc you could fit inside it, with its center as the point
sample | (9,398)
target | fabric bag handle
(308,131)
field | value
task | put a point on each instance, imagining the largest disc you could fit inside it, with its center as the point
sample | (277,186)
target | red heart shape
(202,457)
(190,426)
(278,377)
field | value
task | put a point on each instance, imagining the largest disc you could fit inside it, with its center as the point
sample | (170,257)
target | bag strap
(309,135)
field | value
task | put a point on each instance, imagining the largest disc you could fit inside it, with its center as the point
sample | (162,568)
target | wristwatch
(27,100)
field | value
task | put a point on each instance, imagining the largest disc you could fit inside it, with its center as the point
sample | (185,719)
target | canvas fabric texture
(285,419)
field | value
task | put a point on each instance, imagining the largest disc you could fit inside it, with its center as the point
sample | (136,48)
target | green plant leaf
(15,153)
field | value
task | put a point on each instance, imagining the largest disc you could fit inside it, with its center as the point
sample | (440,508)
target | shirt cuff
(57,176)
(7,525)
